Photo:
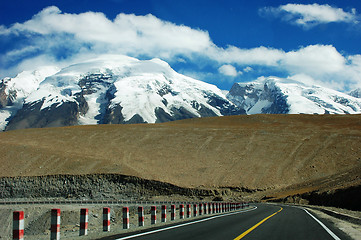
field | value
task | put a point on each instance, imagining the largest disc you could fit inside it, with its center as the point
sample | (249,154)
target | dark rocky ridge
(94,187)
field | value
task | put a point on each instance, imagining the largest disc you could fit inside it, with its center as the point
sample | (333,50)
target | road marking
(184,224)
(252,228)
(323,225)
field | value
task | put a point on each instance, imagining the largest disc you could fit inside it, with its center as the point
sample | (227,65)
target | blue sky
(220,42)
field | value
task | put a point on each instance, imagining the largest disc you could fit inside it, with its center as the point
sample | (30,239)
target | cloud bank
(53,37)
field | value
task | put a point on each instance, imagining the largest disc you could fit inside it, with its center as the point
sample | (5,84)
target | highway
(264,222)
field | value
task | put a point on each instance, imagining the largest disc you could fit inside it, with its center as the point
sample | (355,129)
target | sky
(219,42)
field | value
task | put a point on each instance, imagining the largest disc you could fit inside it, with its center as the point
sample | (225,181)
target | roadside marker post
(153,215)
(55,224)
(106,219)
(141,216)
(83,222)
(205,208)
(164,213)
(188,210)
(200,209)
(210,208)
(195,210)
(172,212)
(181,211)
(125,218)
(18,225)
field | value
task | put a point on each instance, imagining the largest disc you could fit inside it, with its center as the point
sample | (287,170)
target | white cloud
(309,15)
(228,70)
(247,69)
(80,36)
(314,59)
(127,33)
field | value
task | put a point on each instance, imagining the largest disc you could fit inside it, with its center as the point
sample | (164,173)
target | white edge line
(323,225)
(184,224)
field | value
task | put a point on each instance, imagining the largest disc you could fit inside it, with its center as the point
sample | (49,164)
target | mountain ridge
(275,95)
(117,89)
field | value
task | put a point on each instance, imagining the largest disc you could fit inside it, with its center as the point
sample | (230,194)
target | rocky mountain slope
(284,96)
(110,89)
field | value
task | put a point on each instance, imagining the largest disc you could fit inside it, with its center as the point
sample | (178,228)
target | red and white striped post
(188,210)
(213,208)
(141,216)
(181,211)
(172,212)
(18,225)
(200,209)
(83,221)
(106,219)
(205,208)
(195,206)
(55,224)
(210,208)
(153,214)
(164,213)
(223,207)
(125,218)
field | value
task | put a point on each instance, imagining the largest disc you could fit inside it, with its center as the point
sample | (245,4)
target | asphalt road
(266,222)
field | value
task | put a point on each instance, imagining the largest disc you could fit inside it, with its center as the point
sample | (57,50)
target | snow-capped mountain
(110,89)
(13,91)
(275,95)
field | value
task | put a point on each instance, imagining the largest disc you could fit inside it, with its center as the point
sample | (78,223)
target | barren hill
(256,152)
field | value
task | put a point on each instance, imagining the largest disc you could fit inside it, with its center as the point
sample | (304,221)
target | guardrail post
(55,224)
(172,212)
(188,210)
(141,216)
(106,219)
(181,211)
(209,208)
(83,221)
(125,218)
(205,208)
(164,213)
(18,225)
(200,209)
(153,215)
(195,210)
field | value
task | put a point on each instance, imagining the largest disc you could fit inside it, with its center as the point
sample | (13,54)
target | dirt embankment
(269,153)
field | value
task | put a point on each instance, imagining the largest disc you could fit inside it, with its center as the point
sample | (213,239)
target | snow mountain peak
(114,89)
(286,96)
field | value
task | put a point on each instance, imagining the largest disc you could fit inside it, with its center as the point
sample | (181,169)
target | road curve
(265,222)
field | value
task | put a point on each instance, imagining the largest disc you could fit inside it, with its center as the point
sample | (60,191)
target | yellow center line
(252,228)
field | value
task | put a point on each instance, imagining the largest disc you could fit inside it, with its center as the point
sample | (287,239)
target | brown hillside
(258,151)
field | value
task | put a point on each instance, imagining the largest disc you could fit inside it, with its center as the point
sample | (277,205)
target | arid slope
(258,151)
